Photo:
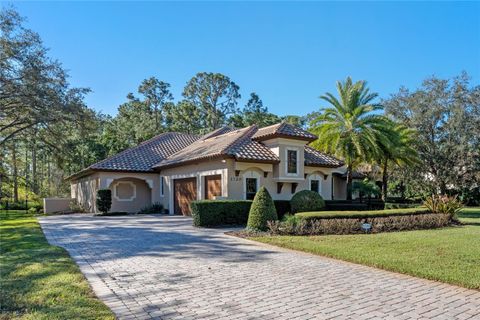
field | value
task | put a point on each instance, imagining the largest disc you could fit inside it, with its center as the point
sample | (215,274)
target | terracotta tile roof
(218,132)
(284,130)
(236,144)
(315,158)
(146,154)
(175,149)
(249,150)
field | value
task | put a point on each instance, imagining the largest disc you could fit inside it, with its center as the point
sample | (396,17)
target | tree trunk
(385,180)
(15,172)
(349,182)
(49,186)
(34,166)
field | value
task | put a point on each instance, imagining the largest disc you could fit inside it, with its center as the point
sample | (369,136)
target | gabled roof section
(315,158)
(141,158)
(218,132)
(283,130)
(232,144)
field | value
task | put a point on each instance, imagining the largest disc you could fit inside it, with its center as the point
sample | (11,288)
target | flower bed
(351,222)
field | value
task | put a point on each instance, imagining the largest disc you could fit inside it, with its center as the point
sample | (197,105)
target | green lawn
(449,255)
(40,281)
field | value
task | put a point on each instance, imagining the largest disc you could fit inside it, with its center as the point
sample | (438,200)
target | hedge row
(302,226)
(344,205)
(389,205)
(360,214)
(210,213)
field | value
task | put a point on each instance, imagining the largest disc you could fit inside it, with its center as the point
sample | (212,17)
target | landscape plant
(352,127)
(261,211)
(444,204)
(104,200)
(307,200)
(153,208)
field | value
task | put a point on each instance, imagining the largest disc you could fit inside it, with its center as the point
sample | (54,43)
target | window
(251,188)
(315,181)
(162,186)
(292,161)
(124,191)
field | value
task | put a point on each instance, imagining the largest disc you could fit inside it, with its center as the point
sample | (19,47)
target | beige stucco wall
(84,191)
(148,185)
(339,188)
(52,205)
(279,146)
(130,194)
(236,184)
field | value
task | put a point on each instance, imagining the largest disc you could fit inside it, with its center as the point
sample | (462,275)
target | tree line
(418,141)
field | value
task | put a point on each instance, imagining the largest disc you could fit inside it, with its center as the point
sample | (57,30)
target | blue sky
(289,53)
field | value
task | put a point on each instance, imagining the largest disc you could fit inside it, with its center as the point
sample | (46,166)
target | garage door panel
(185,191)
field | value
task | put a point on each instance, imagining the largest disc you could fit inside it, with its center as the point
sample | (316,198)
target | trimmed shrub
(210,213)
(104,200)
(112,214)
(307,200)
(261,211)
(361,214)
(345,206)
(400,205)
(350,205)
(153,208)
(283,207)
(353,225)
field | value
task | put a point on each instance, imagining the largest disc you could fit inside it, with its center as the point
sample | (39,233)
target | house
(176,168)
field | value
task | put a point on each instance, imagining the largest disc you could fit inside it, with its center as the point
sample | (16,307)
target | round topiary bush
(261,211)
(307,200)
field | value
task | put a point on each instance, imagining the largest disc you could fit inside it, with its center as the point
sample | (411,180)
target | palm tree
(398,150)
(351,127)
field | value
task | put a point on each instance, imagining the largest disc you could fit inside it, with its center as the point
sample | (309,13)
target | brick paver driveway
(161,267)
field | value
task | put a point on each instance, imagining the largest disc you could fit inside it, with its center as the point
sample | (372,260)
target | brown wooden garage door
(213,186)
(185,191)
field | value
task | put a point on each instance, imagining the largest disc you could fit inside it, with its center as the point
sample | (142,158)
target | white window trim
(124,182)
(315,177)
(286,162)
(250,174)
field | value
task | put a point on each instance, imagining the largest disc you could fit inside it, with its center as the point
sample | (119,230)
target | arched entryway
(130,194)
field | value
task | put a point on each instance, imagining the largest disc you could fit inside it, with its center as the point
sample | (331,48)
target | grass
(361,214)
(450,255)
(40,281)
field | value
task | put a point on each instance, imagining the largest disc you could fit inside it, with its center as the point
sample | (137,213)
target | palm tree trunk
(385,180)
(349,182)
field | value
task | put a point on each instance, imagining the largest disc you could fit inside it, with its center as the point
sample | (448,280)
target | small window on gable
(292,161)
(315,185)
(162,186)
